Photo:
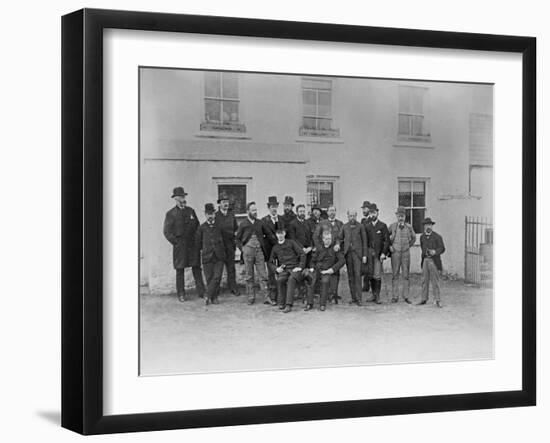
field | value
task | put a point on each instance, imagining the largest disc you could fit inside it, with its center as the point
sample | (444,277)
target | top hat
(428,221)
(373,207)
(316,207)
(401,210)
(178,192)
(289,200)
(366,204)
(272,200)
(209,208)
(222,196)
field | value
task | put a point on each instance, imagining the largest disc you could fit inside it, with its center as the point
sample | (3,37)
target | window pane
(418,216)
(419,194)
(404,193)
(404,124)
(417,125)
(213,83)
(212,110)
(230,85)
(310,102)
(324,104)
(408,216)
(230,111)
(323,123)
(417,100)
(310,123)
(404,99)
(237,197)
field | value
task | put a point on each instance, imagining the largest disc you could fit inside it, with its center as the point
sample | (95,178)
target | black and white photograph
(295,221)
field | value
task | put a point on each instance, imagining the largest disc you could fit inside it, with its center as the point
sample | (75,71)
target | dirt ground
(232,336)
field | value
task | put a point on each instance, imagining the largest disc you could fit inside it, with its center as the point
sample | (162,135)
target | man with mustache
(402,237)
(432,247)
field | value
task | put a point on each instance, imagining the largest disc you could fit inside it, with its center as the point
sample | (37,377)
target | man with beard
(227,222)
(402,237)
(180,225)
(287,261)
(209,241)
(288,212)
(353,239)
(314,219)
(378,238)
(252,239)
(432,247)
(273,222)
(299,231)
(334,226)
(364,221)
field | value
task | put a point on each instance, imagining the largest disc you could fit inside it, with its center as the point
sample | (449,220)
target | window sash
(221,100)
(412,208)
(321,112)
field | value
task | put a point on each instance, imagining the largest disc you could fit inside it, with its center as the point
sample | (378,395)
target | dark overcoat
(180,226)
(209,240)
(327,225)
(433,241)
(300,232)
(271,239)
(378,237)
(228,225)
(257,227)
(354,239)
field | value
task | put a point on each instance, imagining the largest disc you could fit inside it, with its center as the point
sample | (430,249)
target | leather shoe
(287,309)
(308,307)
(322,308)
(408,301)
(423,302)
(250,301)
(358,303)
(206,301)
(181,297)
(438,304)
(235,292)
(215,301)
(394,300)
(281,307)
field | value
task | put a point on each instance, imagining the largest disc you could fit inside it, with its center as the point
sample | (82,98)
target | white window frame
(246,181)
(423,138)
(411,180)
(334,179)
(316,132)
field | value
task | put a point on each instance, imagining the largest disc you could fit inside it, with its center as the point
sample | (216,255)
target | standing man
(325,265)
(273,222)
(288,212)
(432,247)
(180,226)
(314,219)
(335,226)
(287,261)
(364,221)
(252,239)
(209,240)
(299,231)
(378,238)
(402,237)
(353,239)
(227,222)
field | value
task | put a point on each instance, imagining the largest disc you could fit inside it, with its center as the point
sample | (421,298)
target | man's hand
(306,250)
(297,269)
(336,247)
(329,271)
(431,252)
(364,260)
(382,256)
(280,269)
(311,269)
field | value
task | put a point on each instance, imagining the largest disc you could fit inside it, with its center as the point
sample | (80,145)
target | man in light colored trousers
(432,247)
(402,237)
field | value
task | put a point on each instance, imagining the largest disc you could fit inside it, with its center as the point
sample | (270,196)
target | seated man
(325,264)
(287,261)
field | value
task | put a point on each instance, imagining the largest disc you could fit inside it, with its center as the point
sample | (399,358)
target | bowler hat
(272,200)
(366,204)
(401,210)
(428,221)
(209,208)
(222,196)
(178,192)
(289,200)
(373,207)
(316,207)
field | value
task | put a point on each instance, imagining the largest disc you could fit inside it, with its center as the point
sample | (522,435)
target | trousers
(353,265)
(197,276)
(213,272)
(254,265)
(286,282)
(230,266)
(430,276)
(400,264)
(328,283)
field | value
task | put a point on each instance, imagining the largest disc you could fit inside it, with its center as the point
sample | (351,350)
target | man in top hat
(335,226)
(252,239)
(209,241)
(287,261)
(432,247)
(288,211)
(180,226)
(364,221)
(378,238)
(273,221)
(325,265)
(225,219)
(402,237)
(353,240)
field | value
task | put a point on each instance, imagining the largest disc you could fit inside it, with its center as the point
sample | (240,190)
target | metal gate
(478,251)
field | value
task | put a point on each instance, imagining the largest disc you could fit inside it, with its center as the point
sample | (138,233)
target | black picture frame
(82,219)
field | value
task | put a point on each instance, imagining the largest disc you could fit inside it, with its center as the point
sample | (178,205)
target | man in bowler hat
(364,221)
(432,247)
(272,221)
(378,238)
(225,219)
(209,241)
(180,226)
(353,241)
(288,211)
(402,237)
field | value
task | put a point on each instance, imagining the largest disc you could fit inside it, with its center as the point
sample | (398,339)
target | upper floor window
(221,102)
(413,113)
(317,108)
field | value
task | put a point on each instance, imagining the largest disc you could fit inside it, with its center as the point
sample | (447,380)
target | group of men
(291,253)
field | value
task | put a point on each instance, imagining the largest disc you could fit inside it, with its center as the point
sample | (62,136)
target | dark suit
(180,226)
(431,263)
(228,225)
(335,227)
(272,227)
(290,255)
(288,219)
(378,238)
(324,259)
(209,241)
(353,240)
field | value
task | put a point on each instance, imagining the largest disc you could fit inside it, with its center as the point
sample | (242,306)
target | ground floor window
(320,192)
(237,196)
(412,195)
